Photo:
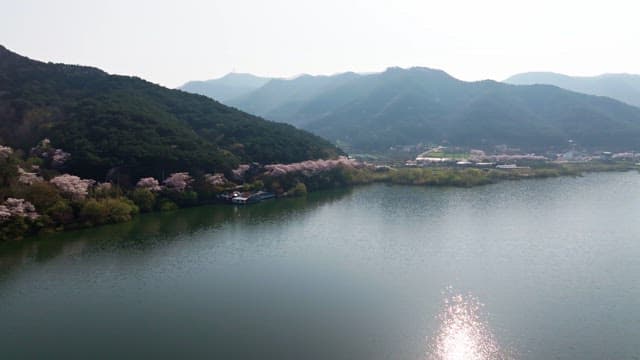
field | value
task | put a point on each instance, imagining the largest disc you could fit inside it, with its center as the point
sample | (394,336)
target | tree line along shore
(38,197)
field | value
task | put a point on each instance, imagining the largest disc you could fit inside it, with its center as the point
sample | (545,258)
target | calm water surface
(539,269)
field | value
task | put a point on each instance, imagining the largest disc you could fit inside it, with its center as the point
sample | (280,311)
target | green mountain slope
(419,105)
(622,87)
(112,122)
(281,99)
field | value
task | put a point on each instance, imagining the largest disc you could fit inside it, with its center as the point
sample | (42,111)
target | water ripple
(463,334)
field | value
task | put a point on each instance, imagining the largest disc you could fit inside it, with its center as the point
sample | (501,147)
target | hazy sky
(170,42)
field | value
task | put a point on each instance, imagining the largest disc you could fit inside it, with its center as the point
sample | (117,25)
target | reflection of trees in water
(151,230)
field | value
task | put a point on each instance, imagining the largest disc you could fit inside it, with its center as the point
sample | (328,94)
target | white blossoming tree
(5,152)
(310,167)
(73,186)
(27,178)
(149,183)
(216,179)
(17,208)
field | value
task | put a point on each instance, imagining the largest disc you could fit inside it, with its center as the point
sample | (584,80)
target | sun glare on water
(462,334)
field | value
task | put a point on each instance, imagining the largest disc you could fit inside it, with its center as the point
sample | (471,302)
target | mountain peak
(239,75)
(418,70)
(226,87)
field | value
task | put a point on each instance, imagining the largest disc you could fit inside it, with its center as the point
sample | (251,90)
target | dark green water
(355,274)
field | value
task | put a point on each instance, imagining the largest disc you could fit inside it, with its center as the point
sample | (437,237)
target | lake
(535,269)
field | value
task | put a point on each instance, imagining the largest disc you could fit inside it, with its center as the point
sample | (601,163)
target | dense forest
(36,197)
(126,128)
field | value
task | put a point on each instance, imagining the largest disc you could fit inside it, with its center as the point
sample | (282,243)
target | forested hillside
(419,105)
(125,124)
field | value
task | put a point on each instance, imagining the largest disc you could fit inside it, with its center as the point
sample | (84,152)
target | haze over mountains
(373,112)
(623,87)
(108,121)
(227,87)
(112,122)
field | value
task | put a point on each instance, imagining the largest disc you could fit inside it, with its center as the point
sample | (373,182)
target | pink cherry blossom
(13,207)
(72,186)
(239,172)
(178,181)
(27,178)
(216,179)
(310,167)
(45,150)
(149,183)
(59,157)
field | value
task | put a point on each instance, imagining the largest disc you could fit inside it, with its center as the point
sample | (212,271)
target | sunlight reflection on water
(463,334)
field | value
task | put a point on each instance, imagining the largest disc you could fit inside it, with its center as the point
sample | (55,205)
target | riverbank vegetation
(468,177)
(37,196)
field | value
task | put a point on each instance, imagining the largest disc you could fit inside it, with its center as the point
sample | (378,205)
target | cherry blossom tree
(13,207)
(241,170)
(5,152)
(216,179)
(73,186)
(27,178)
(59,157)
(310,167)
(46,151)
(149,183)
(178,181)
(104,186)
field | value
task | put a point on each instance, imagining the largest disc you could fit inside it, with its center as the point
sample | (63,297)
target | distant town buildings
(509,159)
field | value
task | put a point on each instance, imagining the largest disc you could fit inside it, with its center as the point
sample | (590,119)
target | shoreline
(406,176)
(472,176)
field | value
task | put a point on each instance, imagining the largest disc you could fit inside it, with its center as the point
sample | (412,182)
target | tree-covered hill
(420,105)
(109,122)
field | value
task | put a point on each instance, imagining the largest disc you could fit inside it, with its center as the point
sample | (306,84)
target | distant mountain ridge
(281,99)
(110,122)
(227,87)
(622,87)
(371,112)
